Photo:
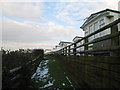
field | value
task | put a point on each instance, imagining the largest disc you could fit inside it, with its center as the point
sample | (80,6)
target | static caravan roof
(64,42)
(92,16)
(77,37)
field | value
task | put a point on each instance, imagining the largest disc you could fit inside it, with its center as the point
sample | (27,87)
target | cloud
(69,12)
(64,32)
(22,32)
(17,32)
(23,10)
(15,45)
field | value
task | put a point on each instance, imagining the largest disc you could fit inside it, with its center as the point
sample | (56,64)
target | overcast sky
(45,24)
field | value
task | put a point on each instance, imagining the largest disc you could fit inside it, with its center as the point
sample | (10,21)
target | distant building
(58,47)
(64,44)
(78,38)
(61,45)
(96,21)
(75,39)
(47,51)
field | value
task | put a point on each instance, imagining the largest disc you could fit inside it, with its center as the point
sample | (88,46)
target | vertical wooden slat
(86,46)
(63,51)
(74,50)
(68,50)
(114,41)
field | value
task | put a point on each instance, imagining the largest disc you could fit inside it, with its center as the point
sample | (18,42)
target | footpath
(51,74)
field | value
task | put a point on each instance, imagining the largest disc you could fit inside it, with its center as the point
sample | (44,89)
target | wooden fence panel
(94,72)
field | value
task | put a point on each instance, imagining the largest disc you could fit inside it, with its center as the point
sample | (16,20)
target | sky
(43,24)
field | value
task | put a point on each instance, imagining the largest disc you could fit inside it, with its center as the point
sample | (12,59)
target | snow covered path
(51,74)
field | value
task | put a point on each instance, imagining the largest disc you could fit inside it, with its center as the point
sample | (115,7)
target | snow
(54,60)
(48,85)
(42,71)
(42,74)
(63,84)
(15,69)
(33,75)
(69,81)
(33,60)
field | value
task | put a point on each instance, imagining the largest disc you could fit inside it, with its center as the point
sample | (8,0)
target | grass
(57,73)
(56,70)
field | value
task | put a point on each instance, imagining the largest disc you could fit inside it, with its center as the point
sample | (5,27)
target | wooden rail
(114,38)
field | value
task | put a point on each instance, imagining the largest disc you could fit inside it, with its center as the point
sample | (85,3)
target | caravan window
(91,29)
(96,27)
(86,32)
(102,22)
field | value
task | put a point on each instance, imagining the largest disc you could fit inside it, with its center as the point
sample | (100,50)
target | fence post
(68,50)
(86,46)
(60,52)
(63,51)
(74,50)
(115,40)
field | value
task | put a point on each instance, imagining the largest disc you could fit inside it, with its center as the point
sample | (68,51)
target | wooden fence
(92,72)
(113,49)
(20,77)
(96,71)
